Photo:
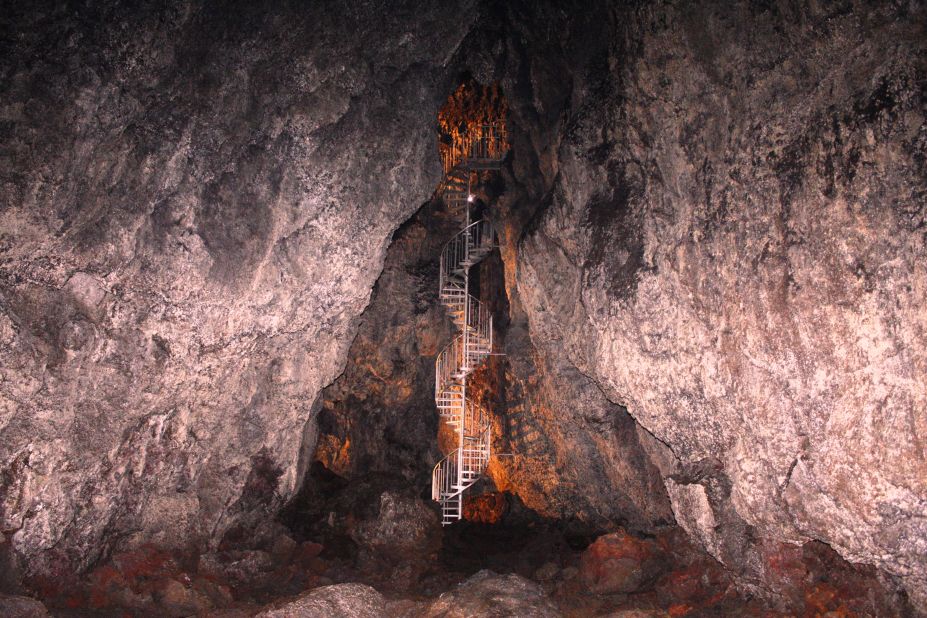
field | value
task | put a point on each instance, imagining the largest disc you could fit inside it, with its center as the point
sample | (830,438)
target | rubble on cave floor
(390,557)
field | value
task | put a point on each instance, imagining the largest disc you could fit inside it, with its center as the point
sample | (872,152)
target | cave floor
(684,583)
(247,576)
(520,565)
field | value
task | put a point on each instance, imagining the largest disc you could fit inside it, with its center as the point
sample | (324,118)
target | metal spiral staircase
(483,148)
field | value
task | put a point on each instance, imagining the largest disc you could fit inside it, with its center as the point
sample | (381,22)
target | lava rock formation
(218,245)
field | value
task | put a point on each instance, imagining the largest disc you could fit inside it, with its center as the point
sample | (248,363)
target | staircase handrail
(449,362)
(457,250)
(442,481)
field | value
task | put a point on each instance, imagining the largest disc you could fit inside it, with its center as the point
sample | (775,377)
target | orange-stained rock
(485,509)
(680,609)
(619,562)
(334,454)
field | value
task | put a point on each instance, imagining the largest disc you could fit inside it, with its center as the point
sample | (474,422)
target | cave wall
(729,241)
(379,415)
(712,256)
(569,452)
(196,202)
(560,446)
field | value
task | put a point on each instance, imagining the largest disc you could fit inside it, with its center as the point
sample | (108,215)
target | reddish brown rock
(619,562)
(485,509)
(815,579)
(178,600)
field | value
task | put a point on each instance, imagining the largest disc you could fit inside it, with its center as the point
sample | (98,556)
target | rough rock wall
(379,416)
(734,249)
(574,454)
(565,450)
(196,202)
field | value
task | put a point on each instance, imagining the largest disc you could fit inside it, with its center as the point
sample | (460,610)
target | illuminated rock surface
(489,594)
(196,205)
(218,297)
(348,600)
(733,249)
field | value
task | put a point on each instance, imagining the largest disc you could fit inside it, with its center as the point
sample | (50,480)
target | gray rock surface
(574,454)
(571,453)
(733,249)
(338,601)
(404,528)
(490,594)
(12,606)
(712,301)
(194,206)
(379,414)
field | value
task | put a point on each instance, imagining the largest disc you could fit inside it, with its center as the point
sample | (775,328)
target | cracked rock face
(710,289)
(380,416)
(733,248)
(354,600)
(489,594)
(194,206)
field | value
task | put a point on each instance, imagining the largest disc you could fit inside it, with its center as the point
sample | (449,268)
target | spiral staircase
(481,149)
